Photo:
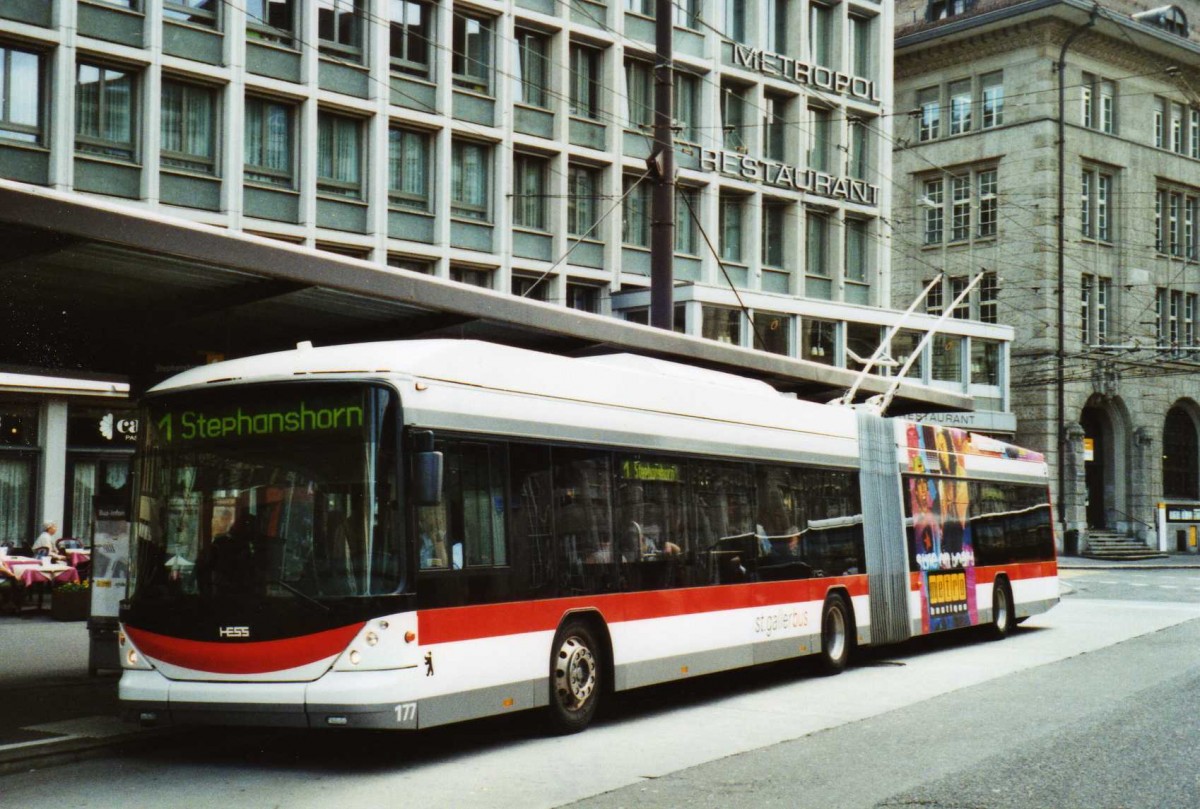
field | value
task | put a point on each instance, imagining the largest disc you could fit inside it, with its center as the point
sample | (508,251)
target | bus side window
(582,513)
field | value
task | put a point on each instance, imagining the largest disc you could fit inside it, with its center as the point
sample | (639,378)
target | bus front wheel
(835,635)
(575,677)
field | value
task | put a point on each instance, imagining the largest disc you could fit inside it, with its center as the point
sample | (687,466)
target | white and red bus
(406,534)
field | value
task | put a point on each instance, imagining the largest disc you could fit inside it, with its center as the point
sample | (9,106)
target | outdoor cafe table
(32,571)
(75,556)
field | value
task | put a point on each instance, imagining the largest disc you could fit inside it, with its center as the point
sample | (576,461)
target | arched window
(1181,475)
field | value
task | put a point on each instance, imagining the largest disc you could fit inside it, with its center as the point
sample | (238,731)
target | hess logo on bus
(233,631)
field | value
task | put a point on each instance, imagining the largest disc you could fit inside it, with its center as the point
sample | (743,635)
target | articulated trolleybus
(406,534)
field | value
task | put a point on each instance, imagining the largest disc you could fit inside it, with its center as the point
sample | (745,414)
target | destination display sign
(312,413)
(793,178)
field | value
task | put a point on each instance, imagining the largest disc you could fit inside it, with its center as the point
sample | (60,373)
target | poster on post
(110,555)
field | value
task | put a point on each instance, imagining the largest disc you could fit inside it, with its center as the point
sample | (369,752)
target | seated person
(45,545)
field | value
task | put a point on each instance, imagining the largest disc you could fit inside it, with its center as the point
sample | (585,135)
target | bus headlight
(372,639)
(355,657)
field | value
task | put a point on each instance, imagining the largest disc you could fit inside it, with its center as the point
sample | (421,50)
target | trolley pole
(662,168)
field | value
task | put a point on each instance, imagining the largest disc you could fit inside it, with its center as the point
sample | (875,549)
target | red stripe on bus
(493,620)
(254,657)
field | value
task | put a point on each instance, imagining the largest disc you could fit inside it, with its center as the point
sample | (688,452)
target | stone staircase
(1118,547)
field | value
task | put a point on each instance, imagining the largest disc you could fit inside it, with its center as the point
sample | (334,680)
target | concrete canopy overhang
(86,285)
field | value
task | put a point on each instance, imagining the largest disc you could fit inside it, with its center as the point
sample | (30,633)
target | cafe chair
(67,543)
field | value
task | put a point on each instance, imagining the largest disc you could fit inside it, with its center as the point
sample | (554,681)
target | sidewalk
(54,713)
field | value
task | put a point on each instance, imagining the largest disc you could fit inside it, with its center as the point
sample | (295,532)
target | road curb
(55,753)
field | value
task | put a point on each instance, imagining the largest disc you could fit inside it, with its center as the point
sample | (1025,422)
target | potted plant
(71,601)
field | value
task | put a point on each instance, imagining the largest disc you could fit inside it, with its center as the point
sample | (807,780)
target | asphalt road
(1094,705)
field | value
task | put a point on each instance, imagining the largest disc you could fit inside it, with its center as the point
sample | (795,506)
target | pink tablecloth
(75,558)
(36,574)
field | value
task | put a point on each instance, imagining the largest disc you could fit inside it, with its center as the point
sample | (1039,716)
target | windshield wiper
(301,594)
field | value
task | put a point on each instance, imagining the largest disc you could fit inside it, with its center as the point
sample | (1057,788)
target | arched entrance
(1180,456)
(1104,464)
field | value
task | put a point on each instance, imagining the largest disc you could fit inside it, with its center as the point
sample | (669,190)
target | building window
(529,191)
(686,240)
(1095,198)
(721,324)
(735,20)
(986,182)
(532,65)
(860,147)
(960,107)
(639,94)
(104,111)
(778,27)
(929,106)
(583,297)
(408,168)
(411,37)
(1099,98)
(472,57)
(583,196)
(775,127)
(957,192)
(195,12)
(686,13)
(962,309)
(989,298)
(339,155)
(189,132)
(817,245)
(933,203)
(820,139)
(941,9)
(643,7)
(991,91)
(1189,227)
(857,257)
(686,91)
(271,21)
(420,266)
(734,113)
(960,208)
(985,362)
(1103,287)
(820,34)
(635,213)
(947,356)
(1194,133)
(268,136)
(772,332)
(1177,128)
(585,82)
(472,276)
(340,28)
(20,96)
(774,236)
(1085,309)
(535,288)
(862,46)
(1189,314)
(470,169)
(819,342)
(730,215)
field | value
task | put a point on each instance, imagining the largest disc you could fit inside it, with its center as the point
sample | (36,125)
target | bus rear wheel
(1002,611)
(835,635)
(576,677)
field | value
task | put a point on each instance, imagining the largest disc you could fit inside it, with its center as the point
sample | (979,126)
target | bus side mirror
(427,470)
(429,478)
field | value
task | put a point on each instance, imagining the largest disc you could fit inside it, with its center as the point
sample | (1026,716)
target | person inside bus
(335,556)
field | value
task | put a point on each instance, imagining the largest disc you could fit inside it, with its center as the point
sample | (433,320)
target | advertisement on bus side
(941,530)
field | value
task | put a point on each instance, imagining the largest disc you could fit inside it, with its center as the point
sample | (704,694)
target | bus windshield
(261,491)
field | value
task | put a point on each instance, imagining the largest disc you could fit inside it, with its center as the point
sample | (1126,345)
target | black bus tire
(835,635)
(576,677)
(1003,619)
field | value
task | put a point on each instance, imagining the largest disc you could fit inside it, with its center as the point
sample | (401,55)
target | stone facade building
(1105,373)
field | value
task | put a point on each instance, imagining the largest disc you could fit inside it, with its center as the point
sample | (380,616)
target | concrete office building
(495,144)
(978,170)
